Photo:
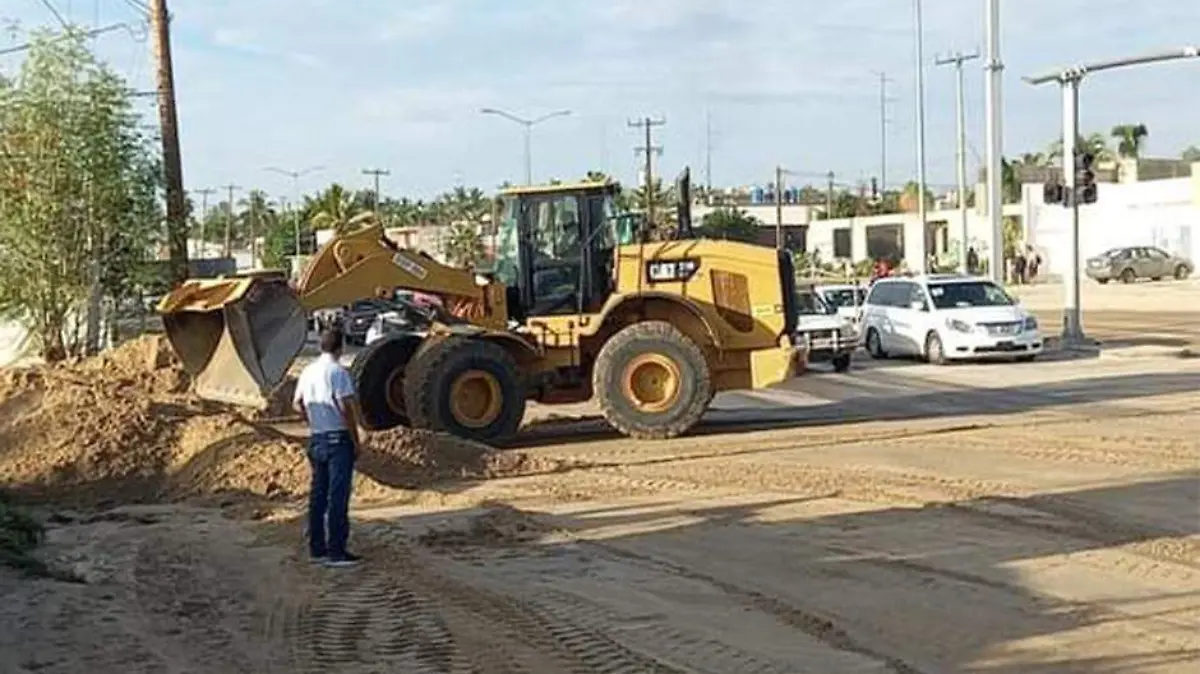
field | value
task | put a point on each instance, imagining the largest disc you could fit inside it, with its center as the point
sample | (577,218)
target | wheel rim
(394,391)
(935,348)
(476,398)
(873,342)
(652,382)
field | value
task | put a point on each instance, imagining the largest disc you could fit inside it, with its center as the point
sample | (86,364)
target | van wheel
(874,345)
(652,381)
(934,352)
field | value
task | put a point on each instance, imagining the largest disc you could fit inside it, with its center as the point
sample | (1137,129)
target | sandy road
(901,518)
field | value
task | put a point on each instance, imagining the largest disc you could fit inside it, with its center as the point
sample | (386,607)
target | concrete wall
(1163,213)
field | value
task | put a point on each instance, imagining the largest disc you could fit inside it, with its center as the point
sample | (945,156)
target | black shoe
(343,561)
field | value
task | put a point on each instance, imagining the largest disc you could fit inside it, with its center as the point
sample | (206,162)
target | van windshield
(965,294)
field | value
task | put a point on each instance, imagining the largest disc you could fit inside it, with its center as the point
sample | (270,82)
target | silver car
(1137,262)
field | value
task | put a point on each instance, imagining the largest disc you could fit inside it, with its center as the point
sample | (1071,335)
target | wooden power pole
(177,229)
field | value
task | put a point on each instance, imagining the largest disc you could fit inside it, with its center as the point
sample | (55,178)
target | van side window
(878,295)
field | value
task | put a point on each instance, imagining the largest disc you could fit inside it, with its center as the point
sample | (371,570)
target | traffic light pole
(1069,80)
(1072,328)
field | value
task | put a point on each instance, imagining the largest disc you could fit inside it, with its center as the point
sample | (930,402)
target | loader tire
(378,373)
(470,388)
(652,381)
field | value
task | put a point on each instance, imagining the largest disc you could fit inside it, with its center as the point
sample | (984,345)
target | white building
(1163,212)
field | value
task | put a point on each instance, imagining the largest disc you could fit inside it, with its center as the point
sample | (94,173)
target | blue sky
(398,84)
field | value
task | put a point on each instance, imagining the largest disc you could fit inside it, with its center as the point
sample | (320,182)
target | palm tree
(1094,144)
(1130,138)
(332,209)
(256,218)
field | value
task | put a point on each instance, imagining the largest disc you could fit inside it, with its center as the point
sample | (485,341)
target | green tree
(1130,139)
(79,212)
(1095,144)
(463,245)
(332,209)
(730,223)
(1191,154)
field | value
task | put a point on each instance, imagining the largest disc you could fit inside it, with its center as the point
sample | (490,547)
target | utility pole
(1069,80)
(829,196)
(203,218)
(960,115)
(708,154)
(995,142)
(228,247)
(779,208)
(168,119)
(883,124)
(649,149)
(920,66)
(376,173)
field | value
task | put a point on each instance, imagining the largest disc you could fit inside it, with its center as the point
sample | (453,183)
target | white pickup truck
(829,335)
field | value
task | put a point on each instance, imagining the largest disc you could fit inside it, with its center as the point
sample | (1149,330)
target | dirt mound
(498,525)
(122,428)
(409,459)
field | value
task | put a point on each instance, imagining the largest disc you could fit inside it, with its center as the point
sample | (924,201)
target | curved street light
(528,124)
(295,176)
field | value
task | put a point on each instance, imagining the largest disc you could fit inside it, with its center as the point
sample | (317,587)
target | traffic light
(1053,193)
(1085,178)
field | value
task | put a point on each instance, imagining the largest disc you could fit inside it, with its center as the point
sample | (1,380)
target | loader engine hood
(237,336)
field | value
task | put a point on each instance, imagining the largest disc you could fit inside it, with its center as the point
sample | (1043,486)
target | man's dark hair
(331,340)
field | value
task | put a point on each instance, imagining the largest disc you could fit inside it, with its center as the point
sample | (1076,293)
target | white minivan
(947,317)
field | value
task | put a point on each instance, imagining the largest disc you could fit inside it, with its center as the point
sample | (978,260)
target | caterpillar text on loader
(578,305)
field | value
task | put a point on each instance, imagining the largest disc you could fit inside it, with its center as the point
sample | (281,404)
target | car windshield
(809,304)
(845,297)
(967,294)
(1112,252)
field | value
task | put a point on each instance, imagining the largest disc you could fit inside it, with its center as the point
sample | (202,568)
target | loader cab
(555,247)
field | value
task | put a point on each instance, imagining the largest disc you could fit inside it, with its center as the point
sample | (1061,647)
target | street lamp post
(528,124)
(295,176)
(920,83)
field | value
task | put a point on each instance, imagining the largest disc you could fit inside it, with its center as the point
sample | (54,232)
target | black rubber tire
(841,362)
(935,352)
(373,369)
(664,339)
(429,380)
(1181,273)
(1026,358)
(1128,276)
(1102,281)
(875,350)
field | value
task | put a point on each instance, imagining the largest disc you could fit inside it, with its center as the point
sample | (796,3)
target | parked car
(406,316)
(828,335)
(1137,262)
(947,317)
(358,317)
(846,298)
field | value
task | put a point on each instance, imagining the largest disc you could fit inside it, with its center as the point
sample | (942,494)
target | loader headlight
(958,326)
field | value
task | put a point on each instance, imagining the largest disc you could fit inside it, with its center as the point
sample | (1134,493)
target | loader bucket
(237,336)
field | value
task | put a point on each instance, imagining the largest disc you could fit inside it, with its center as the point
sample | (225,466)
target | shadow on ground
(951,587)
(958,401)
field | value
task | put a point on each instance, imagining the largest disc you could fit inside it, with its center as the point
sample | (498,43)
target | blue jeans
(331,456)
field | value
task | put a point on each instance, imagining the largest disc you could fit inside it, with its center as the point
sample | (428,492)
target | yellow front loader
(579,305)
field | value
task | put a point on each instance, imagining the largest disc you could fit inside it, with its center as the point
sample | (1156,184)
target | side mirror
(916,305)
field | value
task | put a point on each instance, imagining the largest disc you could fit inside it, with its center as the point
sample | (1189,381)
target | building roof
(582,186)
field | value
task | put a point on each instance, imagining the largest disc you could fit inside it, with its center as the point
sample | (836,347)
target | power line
(62,20)
(228,247)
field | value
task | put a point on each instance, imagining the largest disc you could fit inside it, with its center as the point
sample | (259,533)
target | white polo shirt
(322,385)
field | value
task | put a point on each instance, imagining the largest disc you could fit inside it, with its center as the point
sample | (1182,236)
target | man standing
(325,398)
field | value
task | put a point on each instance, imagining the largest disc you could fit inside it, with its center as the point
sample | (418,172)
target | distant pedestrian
(325,398)
(1032,262)
(972,261)
(1019,269)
